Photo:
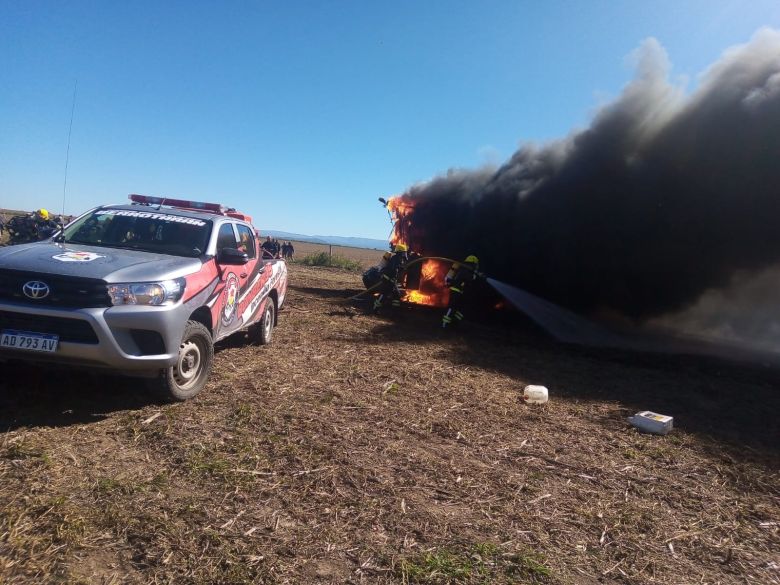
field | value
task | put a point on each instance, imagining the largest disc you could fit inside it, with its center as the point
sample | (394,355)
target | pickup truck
(144,289)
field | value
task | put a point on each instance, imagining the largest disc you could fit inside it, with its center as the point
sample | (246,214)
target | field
(365,449)
(364,257)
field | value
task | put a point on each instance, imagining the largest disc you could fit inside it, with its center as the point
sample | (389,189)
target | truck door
(226,308)
(242,284)
(253,277)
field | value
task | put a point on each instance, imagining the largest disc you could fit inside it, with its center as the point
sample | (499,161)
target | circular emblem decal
(35,289)
(77,256)
(231,299)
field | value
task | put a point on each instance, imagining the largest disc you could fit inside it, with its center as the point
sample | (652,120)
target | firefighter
(44,225)
(457,279)
(373,275)
(389,288)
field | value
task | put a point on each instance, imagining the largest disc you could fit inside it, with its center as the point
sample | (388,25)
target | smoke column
(666,196)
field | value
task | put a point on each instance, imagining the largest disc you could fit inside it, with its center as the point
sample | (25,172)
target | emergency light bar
(200,206)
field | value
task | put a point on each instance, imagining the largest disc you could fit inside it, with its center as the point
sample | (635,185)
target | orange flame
(418,298)
(400,209)
(432,290)
(429,270)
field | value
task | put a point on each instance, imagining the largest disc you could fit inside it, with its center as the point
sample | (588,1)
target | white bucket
(535,394)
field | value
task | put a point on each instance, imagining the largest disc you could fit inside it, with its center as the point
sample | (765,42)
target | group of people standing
(457,279)
(272,247)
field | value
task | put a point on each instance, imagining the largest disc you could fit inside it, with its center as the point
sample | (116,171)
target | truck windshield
(149,231)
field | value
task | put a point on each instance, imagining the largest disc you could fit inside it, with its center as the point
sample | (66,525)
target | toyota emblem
(35,289)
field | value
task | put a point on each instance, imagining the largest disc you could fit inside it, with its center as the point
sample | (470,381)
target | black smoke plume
(664,197)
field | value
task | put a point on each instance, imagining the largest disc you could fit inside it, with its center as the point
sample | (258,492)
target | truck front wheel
(187,377)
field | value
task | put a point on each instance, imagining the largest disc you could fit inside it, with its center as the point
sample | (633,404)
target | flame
(400,210)
(432,290)
(415,296)
(429,270)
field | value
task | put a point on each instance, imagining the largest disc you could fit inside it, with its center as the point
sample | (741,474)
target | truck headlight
(147,293)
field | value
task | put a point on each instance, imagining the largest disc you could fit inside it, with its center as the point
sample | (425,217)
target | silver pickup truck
(144,289)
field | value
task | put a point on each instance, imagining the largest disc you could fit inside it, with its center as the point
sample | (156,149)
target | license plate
(13,339)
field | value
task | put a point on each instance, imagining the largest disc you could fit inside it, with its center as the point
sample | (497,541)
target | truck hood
(109,264)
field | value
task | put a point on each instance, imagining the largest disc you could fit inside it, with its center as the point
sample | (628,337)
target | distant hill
(368,243)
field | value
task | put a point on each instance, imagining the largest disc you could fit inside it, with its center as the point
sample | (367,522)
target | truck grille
(65,291)
(70,330)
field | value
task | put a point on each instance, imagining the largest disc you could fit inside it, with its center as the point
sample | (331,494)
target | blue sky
(303,113)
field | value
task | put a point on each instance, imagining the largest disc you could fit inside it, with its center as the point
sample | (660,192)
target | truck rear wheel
(262,331)
(187,377)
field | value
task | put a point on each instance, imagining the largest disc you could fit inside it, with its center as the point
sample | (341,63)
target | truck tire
(262,331)
(188,376)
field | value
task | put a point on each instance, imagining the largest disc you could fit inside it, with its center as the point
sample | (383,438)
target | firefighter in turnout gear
(389,289)
(36,226)
(373,275)
(457,279)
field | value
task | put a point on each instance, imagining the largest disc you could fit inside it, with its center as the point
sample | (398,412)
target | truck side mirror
(232,256)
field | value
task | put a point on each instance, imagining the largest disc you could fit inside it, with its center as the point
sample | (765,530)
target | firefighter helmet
(471,259)
(401,248)
(43,214)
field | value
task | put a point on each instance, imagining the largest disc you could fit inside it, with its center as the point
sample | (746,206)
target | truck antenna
(67,152)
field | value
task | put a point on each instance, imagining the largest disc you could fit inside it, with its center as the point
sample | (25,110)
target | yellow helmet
(471,259)
(401,248)
(43,213)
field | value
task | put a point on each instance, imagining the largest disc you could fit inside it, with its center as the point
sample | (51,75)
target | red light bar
(196,205)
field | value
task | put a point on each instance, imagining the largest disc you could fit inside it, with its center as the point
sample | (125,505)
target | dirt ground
(364,449)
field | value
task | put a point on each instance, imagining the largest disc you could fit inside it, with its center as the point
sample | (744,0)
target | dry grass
(362,256)
(359,449)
